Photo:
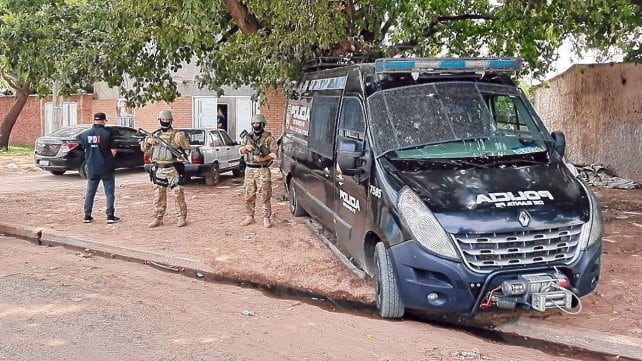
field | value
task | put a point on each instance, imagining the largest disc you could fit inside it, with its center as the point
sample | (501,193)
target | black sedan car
(61,150)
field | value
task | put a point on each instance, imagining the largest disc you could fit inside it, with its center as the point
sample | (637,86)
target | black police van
(437,178)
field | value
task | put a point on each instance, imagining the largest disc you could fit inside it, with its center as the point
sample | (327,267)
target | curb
(619,347)
(173,262)
(583,342)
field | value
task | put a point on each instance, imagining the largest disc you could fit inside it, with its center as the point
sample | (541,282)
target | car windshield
(194,136)
(67,132)
(454,120)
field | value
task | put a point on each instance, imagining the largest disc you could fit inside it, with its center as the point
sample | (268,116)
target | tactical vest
(263,142)
(160,153)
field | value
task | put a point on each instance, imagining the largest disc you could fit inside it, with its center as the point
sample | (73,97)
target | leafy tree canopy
(263,43)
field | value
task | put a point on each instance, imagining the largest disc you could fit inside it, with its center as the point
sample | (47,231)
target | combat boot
(181,222)
(247,221)
(155,223)
(267,223)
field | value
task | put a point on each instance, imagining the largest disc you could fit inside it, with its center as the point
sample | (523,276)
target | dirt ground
(287,253)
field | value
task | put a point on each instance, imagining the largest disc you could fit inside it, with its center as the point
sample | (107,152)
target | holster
(158,181)
(180,168)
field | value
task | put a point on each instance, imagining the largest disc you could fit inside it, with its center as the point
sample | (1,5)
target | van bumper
(460,290)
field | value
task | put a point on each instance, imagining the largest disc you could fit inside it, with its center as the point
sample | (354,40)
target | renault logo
(524,218)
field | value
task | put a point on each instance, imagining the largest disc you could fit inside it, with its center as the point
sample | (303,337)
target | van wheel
(386,289)
(83,170)
(57,172)
(213,176)
(295,208)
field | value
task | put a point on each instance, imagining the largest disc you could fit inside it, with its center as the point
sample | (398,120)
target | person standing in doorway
(165,169)
(97,143)
(258,151)
(221,121)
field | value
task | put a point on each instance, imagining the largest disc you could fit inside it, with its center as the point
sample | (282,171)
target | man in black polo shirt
(97,142)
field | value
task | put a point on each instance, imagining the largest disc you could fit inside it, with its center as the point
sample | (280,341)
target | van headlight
(593,230)
(423,225)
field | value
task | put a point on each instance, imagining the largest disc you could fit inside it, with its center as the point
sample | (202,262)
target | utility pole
(57,107)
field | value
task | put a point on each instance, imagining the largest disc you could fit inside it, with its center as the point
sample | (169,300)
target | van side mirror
(353,162)
(560,142)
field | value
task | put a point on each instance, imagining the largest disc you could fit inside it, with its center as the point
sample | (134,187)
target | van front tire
(295,207)
(386,289)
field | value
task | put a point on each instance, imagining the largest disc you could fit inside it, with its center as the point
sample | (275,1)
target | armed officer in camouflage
(258,151)
(165,169)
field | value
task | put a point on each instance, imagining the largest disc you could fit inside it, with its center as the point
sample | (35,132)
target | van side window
(323,125)
(507,113)
(352,126)
(352,123)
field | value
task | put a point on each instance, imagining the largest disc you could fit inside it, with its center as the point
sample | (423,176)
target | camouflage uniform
(258,178)
(165,171)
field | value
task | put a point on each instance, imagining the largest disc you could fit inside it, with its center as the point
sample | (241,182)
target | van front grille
(492,251)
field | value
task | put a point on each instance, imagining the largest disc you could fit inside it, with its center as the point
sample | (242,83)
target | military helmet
(259,118)
(165,114)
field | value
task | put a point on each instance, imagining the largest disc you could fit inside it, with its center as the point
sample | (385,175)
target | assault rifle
(180,155)
(176,152)
(257,149)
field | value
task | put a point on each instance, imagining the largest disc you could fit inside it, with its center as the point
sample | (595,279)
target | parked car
(212,152)
(61,150)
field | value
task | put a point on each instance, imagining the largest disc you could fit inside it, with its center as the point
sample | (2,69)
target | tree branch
(431,29)
(245,20)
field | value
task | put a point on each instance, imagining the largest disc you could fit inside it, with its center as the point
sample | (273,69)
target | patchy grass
(17,150)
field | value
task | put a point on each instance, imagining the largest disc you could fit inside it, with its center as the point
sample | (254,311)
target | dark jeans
(109,183)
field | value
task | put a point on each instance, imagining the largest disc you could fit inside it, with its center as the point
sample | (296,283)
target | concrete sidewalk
(581,343)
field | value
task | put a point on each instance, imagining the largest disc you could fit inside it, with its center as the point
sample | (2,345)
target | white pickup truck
(212,152)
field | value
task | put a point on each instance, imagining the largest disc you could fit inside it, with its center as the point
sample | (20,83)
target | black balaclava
(165,126)
(258,129)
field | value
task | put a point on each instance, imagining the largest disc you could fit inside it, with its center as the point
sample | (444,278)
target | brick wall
(273,111)
(599,108)
(28,126)
(30,123)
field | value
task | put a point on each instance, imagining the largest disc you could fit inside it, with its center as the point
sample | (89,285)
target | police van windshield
(454,120)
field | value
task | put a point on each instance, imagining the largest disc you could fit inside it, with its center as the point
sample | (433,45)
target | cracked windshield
(454,120)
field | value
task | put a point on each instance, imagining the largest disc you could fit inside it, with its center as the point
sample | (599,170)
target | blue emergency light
(447,65)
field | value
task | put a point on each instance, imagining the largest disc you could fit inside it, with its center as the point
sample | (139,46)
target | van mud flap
(539,291)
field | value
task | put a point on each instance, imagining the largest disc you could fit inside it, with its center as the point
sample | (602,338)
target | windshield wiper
(516,161)
(422,145)
(454,162)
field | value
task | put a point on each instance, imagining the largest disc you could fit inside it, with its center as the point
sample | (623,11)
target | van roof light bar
(447,65)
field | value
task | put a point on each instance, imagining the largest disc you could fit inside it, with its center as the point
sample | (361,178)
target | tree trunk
(12,116)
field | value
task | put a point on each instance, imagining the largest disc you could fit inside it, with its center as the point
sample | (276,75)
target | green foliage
(140,45)
(18,150)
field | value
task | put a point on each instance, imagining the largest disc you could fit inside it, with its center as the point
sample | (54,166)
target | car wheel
(240,171)
(386,289)
(83,170)
(295,208)
(213,176)
(57,172)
